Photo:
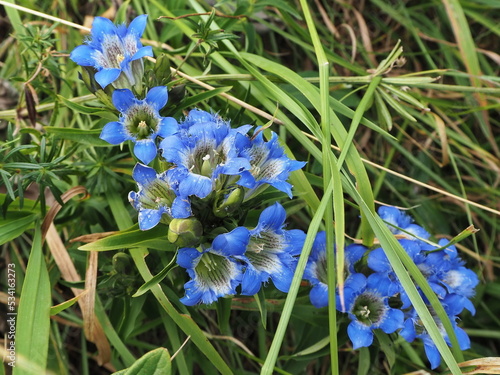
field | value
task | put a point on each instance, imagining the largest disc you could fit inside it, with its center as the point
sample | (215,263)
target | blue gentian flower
(269,165)
(115,52)
(414,328)
(401,224)
(269,251)
(368,309)
(388,282)
(445,268)
(158,198)
(205,149)
(316,268)
(140,121)
(213,274)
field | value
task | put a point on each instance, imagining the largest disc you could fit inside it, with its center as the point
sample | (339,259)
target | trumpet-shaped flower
(205,149)
(268,250)
(316,268)
(213,274)
(368,309)
(140,121)
(115,52)
(414,328)
(269,164)
(157,199)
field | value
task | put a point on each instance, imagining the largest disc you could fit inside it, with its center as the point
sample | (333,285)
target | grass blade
(33,319)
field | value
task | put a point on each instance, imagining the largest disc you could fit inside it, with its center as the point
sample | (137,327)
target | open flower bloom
(205,150)
(316,268)
(269,165)
(140,121)
(414,328)
(368,309)
(213,274)
(267,250)
(115,52)
(401,224)
(157,199)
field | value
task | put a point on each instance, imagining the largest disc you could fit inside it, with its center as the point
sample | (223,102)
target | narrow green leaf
(14,224)
(54,310)
(316,347)
(87,137)
(15,19)
(387,346)
(279,334)
(364,363)
(133,237)
(97,111)
(156,279)
(33,318)
(260,299)
(391,102)
(155,362)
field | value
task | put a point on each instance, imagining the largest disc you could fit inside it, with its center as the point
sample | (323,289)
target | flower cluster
(371,284)
(207,174)
(213,171)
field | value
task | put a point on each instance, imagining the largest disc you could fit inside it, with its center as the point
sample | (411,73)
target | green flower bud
(185,232)
(122,263)
(230,203)
(162,67)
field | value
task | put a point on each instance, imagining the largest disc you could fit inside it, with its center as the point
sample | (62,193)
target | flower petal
(432,353)
(157,97)
(251,282)
(272,217)
(282,279)
(168,126)
(393,320)
(197,185)
(82,55)
(145,150)
(181,208)
(232,243)
(105,76)
(138,25)
(100,27)
(193,294)
(143,174)
(142,52)
(123,99)
(149,218)
(360,335)
(187,256)
(114,133)
(319,295)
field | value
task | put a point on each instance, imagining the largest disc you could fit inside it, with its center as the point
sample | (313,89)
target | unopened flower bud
(185,232)
(230,203)
(162,67)
(122,263)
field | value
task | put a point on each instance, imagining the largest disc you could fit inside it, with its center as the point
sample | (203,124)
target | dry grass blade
(92,237)
(487,365)
(49,218)
(441,130)
(69,273)
(93,329)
